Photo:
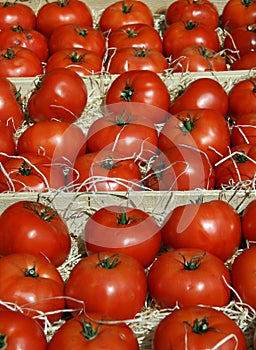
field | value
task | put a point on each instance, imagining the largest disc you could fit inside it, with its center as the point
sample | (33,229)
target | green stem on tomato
(125,8)
(3,342)
(122,218)
(108,262)
(31,272)
(88,331)
(193,263)
(201,326)
(25,169)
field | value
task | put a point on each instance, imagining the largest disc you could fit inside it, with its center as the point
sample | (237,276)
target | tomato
(180,168)
(244,129)
(188,33)
(135,35)
(34,228)
(113,286)
(60,94)
(123,229)
(201,93)
(242,97)
(30,172)
(81,61)
(7,143)
(243,276)
(245,62)
(19,62)
(202,11)
(237,13)
(196,277)
(204,327)
(132,58)
(198,59)
(143,87)
(53,14)
(53,139)
(20,331)
(248,221)
(86,332)
(200,225)
(15,13)
(131,135)
(121,12)
(29,38)
(202,128)
(72,35)
(32,283)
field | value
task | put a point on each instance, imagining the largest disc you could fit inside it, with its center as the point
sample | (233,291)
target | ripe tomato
(202,128)
(180,168)
(18,330)
(245,62)
(19,62)
(125,12)
(81,61)
(205,327)
(86,332)
(197,277)
(237,13)
(32,283)
(132,58)
(244,129)
(140,87)
(7,143)
(15,13)
(201,93)
(29,38)
(189,33)
(248,222)
(60,94)
(34,228)
(72,35)
(135,35)
(113,286)
(123,229)
(202,11)
(53,14)
(200,225)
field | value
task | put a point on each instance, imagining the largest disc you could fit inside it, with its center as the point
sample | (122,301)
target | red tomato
(196,277)
(18,330)
(248,221)
(30,172)
(19,62)
(81,61)
(244,129)
(198,59)
(53,14)
(140,87)
(32,283)
(34,228)
(180,168)
(123,229)
(135,35)
(86,332)
(202,11)
(7,143)
(202,128)
(112,286)
(200,225)
(205,327)
(245,62)
(29,38)
(60,94)
(189,33)
(72,35)
(201,93)
(237,13)
(120,13)
(243,276)
(132,58)
(15,13)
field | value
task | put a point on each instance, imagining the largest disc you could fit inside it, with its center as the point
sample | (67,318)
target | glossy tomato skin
(111,336)
(201,226)
(14,14)
(202,128)
(237,13)
(123,229)
(17,328)
(7,143)
(99,287)
(244,129)
(60,94)
(201,93)
(248,222)
(125,12)
(34,284)
(34,228)
(205,328)
(189,276)
(53,14)
(246,62)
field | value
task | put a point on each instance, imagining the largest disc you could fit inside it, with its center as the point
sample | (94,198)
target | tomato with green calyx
(237,13)
(15,13)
